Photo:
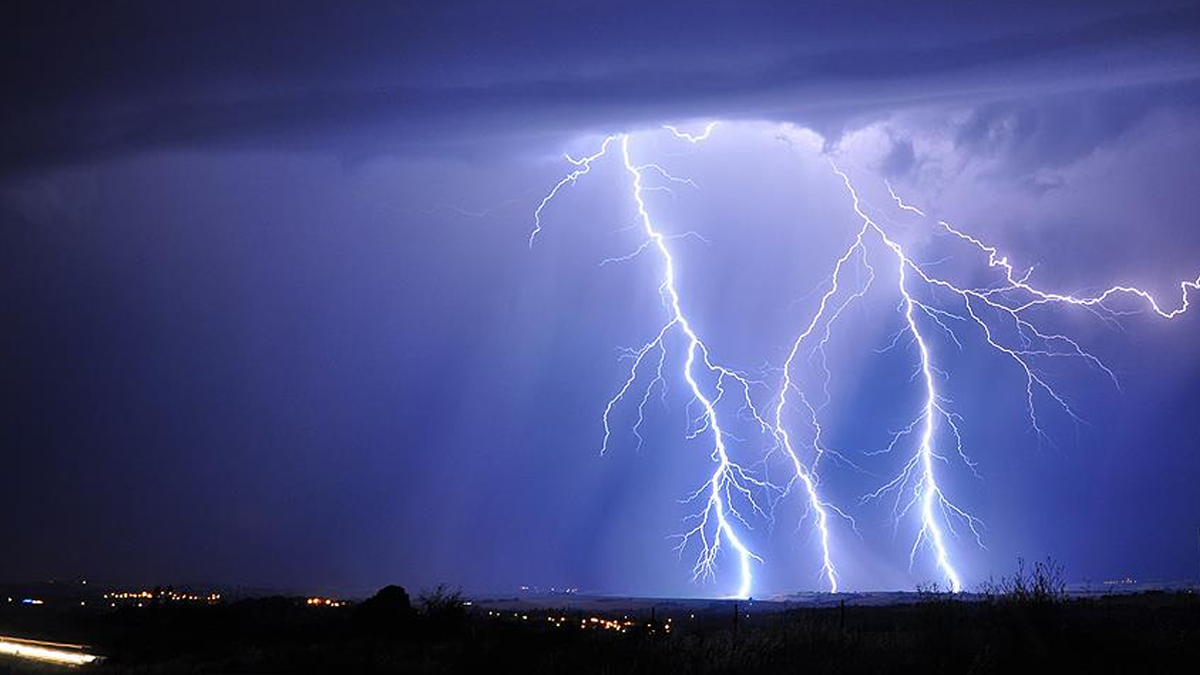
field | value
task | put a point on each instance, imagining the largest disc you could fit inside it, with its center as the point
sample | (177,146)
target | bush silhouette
(1040,586)
(443,609)
(390,608)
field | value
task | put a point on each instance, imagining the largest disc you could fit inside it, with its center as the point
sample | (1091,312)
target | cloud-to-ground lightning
(717,522)
(989,312)
(935,313)
(918,476)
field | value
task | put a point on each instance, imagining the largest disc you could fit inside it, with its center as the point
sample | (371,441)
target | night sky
(270,315)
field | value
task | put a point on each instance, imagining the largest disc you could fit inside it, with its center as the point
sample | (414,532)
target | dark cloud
(900,159)
(103,80)
(1058,129)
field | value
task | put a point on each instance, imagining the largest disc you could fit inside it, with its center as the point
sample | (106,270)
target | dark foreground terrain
(1142,633)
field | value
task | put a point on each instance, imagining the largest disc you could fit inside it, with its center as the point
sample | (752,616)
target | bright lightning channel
(717,522)
(918,476)
(692,138)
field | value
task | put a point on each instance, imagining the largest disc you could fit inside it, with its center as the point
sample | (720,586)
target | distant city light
(622,625)
(324,602)
(160,595)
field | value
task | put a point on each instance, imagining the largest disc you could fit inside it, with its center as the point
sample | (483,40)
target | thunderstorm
(937,312)
(593,337)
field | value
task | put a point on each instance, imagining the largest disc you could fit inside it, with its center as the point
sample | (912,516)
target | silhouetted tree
(389,609)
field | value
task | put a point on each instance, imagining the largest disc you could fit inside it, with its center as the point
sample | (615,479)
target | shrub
(1041,585)
(443,609)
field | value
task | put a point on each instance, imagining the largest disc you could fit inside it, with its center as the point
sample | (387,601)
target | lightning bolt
(918,477)
(583,165)
(999,309)
(690,138)
(717,521)
(935,312)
